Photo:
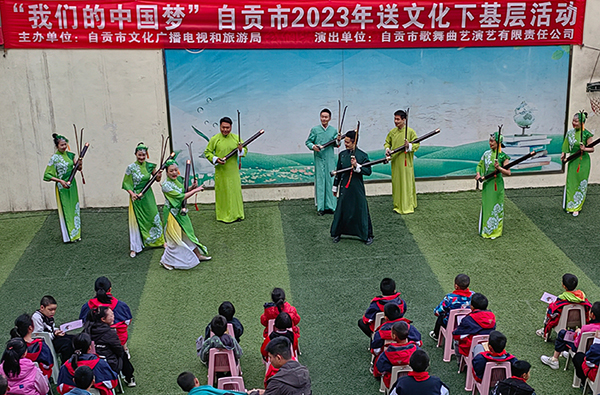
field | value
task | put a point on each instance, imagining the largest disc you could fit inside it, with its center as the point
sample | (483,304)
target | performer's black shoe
(369,241)
(329,211)
(336,239)
(320,213)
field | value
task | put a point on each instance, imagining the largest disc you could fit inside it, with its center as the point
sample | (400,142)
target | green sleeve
(502,157)
(310,141)
(388,140)
(173,195)
(245,151)
(565,146)
(127,181)
(50,171)
(412,135)
(209,152)
(480,167)
(586,135)
(150,167)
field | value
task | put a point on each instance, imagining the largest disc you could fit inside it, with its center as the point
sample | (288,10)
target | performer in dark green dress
(352,212)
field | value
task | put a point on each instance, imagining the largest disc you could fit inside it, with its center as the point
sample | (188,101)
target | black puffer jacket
(107,344)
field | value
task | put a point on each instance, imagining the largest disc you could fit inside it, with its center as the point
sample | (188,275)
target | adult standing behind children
(419,381)
(23,376)
(229,204)
(324,162)
(43,321)
(460,298)
(388,295)
(404,191)
(291,377)
(122,313)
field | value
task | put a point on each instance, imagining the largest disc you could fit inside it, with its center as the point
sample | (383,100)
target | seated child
(388,295)
(105,378)
(219,340)
(586,365)
(83,378)
(563,346)
(22,374)
(283,327)
(517,383)
(460,298)
(570,296)
(398,353)
(496,353)
(384,332)
(43,321)
(278,305)
(419,381)
(227,310)
(479,322)
(37,350)
(190,384)
(103,288)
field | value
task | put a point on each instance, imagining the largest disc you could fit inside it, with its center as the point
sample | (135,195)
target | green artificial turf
(285,244)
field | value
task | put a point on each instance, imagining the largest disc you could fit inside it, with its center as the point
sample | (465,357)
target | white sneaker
(540,332)
(553,363)
(575,213)
(433,336)
(565,354)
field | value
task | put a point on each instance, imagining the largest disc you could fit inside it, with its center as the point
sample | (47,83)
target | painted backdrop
(467,92)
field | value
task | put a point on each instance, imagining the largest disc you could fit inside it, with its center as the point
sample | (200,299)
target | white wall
(119,97)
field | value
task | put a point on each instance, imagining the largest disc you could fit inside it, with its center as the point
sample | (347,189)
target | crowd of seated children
(105,377)
(388,295)
(419,381)
(479,321)
(276,306)
(219,339)
(107,343)
(562,346)
(570,296)
(384,332)
(398,352)
(517,383)
(121,312)
(24,378)
(460,298)
(37,350)
(227,310)
(43,321)
(586,364)
(496,353)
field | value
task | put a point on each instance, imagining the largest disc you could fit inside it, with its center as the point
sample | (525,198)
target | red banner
(240,24)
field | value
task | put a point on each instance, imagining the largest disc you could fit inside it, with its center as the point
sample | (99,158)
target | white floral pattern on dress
(487,160)
(136,174)
(495,219)
(571,139)
(579,196)
(155,231)
(76,223)
(61,166)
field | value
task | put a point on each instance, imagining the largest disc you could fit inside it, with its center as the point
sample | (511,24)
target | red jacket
(271,312)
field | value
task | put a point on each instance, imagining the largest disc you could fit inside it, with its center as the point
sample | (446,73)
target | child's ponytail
(278,297)
(102,288)
(81,344)
(22,324)
(15,349)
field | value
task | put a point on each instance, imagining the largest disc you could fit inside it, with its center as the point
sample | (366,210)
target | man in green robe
(404,192)
(324,162)
(352,212)
(229,204)
(578,170)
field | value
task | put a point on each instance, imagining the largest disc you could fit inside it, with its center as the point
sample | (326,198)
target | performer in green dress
(145,227)
(351,215)
(67,199)
(578,170)
(324,162)
(404,191)
(491,216)
(182,249)
(229,205)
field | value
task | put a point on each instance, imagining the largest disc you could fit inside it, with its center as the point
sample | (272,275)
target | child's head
(479,301)
(387,286)
(227,310)
(102,286)
(81,344)
(83,377)
(283,321)
(521,369)
(570,281)
(48,306)
(23,326)
(218,325)
(419,361)
(279,351)
(462,281)
(15,350)
(497,341)
(101,314)
(278,297)
(595,311)
(392,311)
(400,331)
(187,381)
